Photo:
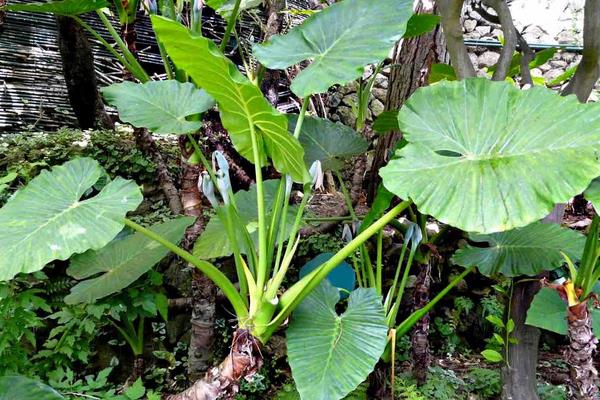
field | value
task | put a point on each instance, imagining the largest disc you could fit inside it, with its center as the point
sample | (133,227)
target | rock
(350,99)
(352,87)
(381,81)
(566,37)
(568,57)
(335,99)
(377,107)
(536,72)
(483,30)
(379,94)
(545,68)
(553,73)
(488,59)
(473,58)
(558,64)
(535,33)
(334,117)
(470,25)
(497,33)
(347,116)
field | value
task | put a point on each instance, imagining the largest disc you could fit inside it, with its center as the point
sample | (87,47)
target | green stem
(261,273)
(203,159)
(134,66)
(301,116)
(379,263)
(298,292)
(107,45)
(230,25)
(213,273)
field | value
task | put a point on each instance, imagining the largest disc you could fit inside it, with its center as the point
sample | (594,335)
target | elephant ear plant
(68,210)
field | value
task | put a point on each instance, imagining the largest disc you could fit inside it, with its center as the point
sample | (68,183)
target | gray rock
(488,59)
(566,37)
(561,64)
(377,107)
(553,73)
(379,94)
(545,68)
(335,99)
(568,57)
(381,81)
(483,30)
(470,25)
(350,99)
(347,116)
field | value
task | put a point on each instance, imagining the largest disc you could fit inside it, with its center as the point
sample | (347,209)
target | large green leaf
(16,387)
(548,311)
(160,106)
(121,262)
(225,7)
(522,251)
(486,157)
(214,242)
(340,40)
(48,219)
(592,194)
(63,7)
(331,354)
(329,142)
(242,105)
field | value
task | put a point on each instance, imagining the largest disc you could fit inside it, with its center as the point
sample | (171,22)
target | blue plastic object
(343,276)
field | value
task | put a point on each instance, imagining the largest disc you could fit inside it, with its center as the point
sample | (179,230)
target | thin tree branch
(527,58)
(450,11)
(588,71)
(510,38)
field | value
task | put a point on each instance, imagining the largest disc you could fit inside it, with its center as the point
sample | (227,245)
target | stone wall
(541,22)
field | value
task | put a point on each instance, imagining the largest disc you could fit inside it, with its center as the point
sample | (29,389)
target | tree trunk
(410,69)
(421,356)
(580,354)
(80,76)
(203,290)
(270,83)
(519,377)
(144,140)
(2,13)
(222,382)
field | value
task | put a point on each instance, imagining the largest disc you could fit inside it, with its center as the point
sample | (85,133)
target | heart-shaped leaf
(523,251)
(13,387)
(592,194)
(62,7)
(331,354)
(340,41)
(121,262)
(243,108)
(486,157)
(48,219)
(160,106)
(225,7)
(329,142)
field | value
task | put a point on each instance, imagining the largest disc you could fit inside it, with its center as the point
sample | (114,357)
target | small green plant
(406,389)
(486,383)
(443,384)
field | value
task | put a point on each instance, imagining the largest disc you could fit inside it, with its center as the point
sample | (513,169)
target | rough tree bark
(203,291)
(421,356)
(2,13)
(222,382)
(580,355)
(410,69)
(271,79)
(80,76)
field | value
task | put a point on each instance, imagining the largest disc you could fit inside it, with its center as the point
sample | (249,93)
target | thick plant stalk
(203,290)
(222,382)
(421,355)
(409,71)
(580,354)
